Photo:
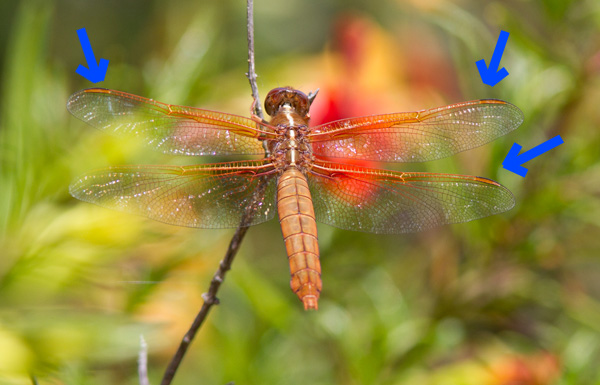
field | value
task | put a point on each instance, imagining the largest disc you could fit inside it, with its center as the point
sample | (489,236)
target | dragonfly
(305,174)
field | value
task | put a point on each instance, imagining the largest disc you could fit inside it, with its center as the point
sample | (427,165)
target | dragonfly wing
(205,196)
(168,128)
(378,201)
(417,136)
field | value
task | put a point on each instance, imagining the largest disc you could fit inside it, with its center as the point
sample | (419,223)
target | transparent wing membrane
(417,136)
(379,201)
(207,196)
(168,128)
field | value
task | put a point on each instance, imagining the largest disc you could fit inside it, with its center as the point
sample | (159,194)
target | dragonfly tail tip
(310,302)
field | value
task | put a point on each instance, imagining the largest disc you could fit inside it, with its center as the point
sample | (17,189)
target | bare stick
(210,297)
(143,362)
(251,74)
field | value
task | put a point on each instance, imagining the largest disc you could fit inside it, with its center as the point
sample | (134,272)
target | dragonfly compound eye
(278,97)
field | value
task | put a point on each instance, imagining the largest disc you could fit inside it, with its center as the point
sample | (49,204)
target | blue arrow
(96,73)
(513,160)
(490,75)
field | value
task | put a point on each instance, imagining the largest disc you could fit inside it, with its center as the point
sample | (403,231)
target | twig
(251,74)
(143,362)
(210,297)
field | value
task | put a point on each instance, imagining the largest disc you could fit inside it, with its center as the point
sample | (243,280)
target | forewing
(379,201)
(168,128)
(206,196)
(417,136)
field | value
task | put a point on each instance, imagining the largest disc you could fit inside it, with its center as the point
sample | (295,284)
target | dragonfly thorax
(291,148)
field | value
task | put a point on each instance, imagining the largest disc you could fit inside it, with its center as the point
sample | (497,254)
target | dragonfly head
(279,97)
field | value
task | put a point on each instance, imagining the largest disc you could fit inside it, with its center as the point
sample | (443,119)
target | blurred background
(510,299)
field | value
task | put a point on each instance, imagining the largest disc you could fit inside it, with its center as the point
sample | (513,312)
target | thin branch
(210,297)
(143,362)
(251,74)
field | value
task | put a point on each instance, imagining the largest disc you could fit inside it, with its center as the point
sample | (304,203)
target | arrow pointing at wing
(96,73)
(490,75)
(513,160)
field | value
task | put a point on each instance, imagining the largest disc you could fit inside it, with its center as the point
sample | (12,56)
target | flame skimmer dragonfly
(297,173)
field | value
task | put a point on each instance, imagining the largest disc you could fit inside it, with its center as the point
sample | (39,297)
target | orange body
(296,155)
(299,228)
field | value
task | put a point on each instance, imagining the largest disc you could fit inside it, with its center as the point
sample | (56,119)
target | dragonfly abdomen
(297,219)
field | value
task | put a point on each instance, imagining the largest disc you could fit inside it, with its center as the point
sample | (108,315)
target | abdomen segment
(297,219)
